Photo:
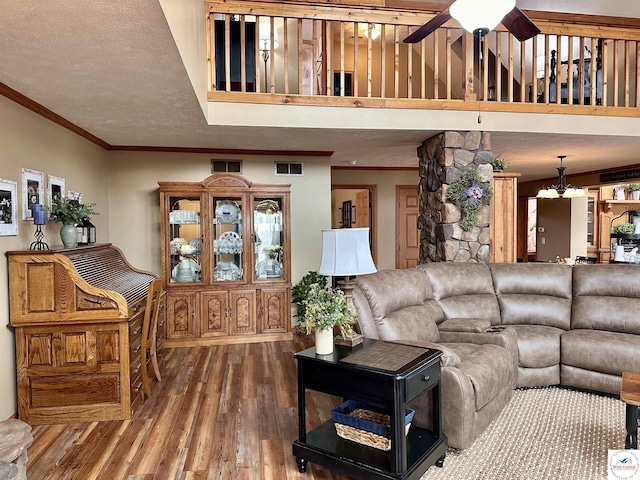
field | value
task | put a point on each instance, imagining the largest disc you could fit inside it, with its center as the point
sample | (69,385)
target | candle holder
(39,219)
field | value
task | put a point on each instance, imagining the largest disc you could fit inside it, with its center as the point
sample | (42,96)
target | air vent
(231,166)
(288,169)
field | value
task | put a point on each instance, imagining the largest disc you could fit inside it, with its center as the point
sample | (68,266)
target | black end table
(385,375)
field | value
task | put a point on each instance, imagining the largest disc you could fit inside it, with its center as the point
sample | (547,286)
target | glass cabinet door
(227,239)
(269,238)
(185,239)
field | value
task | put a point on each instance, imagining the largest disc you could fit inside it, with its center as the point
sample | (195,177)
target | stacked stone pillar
(443,160)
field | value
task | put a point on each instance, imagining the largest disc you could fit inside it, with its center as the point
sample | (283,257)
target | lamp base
(352,341)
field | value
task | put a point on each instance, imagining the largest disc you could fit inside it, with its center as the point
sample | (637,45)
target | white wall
(386,181)
(27,140)
(134,201)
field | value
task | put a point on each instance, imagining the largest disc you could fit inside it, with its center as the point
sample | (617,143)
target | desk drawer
(422,380)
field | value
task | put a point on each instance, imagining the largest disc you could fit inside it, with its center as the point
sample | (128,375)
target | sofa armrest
(472,325)
(503,336)
(449,358)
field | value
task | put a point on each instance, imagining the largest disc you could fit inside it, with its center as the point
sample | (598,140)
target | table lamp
(346,252)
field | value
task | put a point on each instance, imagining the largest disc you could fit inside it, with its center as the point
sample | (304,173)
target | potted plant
(498,164)
(70,211)
(300,291)
(325,308)
(634,189)
(624,228)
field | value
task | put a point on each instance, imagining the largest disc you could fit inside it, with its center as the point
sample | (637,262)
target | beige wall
(28,140)
(134,201)
(386,181)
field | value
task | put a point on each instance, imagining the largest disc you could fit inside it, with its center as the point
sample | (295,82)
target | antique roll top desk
(77,315)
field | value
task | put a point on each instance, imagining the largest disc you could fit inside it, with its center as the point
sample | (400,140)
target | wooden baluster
(498,65)
(396,61)
(328,41)
(616,74)
(423,69)
(342,89)
(448,50)
(356,92)
(300,57)
(227,52)
(510,69)
(285,56)
(627,68)
(370,27)
(436,64)
(383,61)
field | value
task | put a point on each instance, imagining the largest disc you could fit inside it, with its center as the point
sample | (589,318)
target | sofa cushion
(538,346)
(488,366)
(463,290)
(534,293)
(606,352)
(401,305)
(606,297)
(408,323)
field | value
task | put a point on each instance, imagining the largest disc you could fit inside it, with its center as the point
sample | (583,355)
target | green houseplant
(325,308)
(69,211)
(300,290)
(634,189)
(624,228)
(499,164)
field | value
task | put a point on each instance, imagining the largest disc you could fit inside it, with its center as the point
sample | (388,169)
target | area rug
(543,434)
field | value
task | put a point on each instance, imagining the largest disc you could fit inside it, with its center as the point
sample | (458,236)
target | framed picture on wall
(8,207)
(55,188)
(32,191)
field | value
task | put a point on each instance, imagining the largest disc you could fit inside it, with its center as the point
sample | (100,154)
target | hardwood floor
(224,412)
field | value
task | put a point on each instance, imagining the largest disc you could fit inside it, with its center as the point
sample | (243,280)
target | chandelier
(561,189)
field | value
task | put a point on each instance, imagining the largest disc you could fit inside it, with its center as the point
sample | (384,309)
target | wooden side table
(630,394)
(374,373)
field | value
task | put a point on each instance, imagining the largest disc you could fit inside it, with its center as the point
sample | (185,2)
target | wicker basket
(361,423)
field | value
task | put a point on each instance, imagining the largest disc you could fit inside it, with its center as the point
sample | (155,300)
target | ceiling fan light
(474,15)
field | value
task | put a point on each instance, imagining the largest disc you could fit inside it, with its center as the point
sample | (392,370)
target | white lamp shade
(473,14)
(542,193)
(265,34)
(346,252)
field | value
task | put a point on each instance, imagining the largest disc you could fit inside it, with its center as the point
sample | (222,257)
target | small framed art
(32,191)
(8,207)
(55,188)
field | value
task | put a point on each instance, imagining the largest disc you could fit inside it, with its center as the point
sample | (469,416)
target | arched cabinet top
(226,180)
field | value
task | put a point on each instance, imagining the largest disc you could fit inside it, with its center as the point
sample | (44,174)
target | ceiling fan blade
(519,24)
(431,26)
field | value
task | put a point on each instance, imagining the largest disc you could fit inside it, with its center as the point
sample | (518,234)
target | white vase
(635,195)
(324,341)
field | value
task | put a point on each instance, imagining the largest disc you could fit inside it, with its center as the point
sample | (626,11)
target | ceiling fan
(479,17)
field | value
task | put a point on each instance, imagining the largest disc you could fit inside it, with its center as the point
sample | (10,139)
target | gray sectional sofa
(502,326)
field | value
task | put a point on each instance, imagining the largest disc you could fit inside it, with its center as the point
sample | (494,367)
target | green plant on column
(70,211)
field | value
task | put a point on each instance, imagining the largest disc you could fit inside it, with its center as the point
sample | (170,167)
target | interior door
(407,233)
(362,209)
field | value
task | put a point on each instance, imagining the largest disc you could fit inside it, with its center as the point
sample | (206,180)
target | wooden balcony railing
(356,57)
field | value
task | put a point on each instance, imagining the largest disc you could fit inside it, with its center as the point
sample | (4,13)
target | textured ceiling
(112,68)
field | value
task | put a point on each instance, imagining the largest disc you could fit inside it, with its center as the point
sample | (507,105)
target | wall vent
(288,169)
(230,166)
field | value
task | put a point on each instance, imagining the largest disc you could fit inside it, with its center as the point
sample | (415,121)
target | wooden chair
(149,333)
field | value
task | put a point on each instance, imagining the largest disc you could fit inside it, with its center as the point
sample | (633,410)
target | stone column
(443,160)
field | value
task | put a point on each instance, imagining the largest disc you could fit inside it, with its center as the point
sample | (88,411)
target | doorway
(361,202)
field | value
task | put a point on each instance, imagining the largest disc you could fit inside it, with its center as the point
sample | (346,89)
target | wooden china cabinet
(226,261)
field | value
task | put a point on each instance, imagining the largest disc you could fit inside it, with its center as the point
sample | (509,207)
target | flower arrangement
(273,251)
(70,210)
(634,187)
(471,193)
(325,308)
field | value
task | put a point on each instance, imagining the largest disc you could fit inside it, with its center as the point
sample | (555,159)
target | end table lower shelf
(324,447)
